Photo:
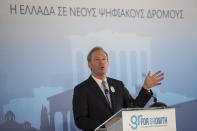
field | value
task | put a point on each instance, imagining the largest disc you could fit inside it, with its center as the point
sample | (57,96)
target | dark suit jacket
(90,107)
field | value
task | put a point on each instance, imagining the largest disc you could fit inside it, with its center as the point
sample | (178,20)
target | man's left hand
(154,80)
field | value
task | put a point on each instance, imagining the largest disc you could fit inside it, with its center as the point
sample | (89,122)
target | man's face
(98,64)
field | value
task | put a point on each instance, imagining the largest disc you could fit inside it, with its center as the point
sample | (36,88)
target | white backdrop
(44,44)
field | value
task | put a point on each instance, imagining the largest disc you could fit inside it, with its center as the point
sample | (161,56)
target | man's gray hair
(93,50)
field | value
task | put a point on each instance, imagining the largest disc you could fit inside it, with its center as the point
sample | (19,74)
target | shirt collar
(98,81)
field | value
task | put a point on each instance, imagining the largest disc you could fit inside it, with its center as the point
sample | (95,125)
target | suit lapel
(97,91)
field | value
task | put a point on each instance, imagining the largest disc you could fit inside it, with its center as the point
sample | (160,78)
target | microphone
(106,91)
(154,98)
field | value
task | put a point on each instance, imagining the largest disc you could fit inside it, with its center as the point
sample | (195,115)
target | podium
(140,119)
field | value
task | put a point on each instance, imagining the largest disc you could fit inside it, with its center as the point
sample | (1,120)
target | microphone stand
(158,104)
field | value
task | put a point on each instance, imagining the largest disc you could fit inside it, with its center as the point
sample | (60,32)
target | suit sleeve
(140,101)
(143,97)
(80,110)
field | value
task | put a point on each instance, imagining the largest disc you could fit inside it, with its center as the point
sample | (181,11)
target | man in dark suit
(99,97)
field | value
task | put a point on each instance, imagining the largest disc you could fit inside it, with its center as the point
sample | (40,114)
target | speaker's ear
(89,65)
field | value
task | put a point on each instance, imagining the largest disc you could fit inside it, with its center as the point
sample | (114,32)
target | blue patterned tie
(107,93)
